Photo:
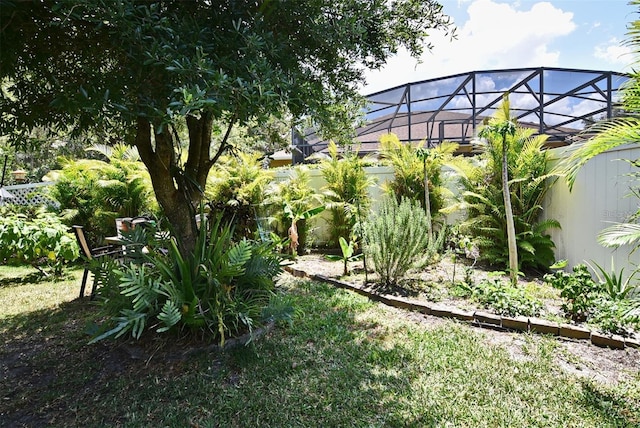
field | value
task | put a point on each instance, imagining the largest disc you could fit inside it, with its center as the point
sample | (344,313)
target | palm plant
(346,192)
(94,192)
(418,171)
(237,187)
(484,199)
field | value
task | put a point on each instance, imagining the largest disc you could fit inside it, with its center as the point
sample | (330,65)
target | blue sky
(497,34)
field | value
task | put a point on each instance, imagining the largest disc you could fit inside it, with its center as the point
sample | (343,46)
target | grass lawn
(346,362)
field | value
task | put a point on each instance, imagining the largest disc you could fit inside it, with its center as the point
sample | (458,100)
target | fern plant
(396,239)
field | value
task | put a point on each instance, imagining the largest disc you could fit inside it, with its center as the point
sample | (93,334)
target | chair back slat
(82,241)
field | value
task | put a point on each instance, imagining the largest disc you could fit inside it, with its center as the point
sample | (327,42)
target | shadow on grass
(343,363)
(610,405)
(22,277)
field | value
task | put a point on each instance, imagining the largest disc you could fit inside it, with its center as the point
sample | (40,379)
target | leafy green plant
(40,240)
(93,193)
(578,288)
(348,250)
(415,166)
(505,299)
(236,188)
(484,201)
(346,193)
(614,284)
(396,239)
(222,287)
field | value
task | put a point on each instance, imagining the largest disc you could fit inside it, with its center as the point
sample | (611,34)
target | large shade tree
(151,67)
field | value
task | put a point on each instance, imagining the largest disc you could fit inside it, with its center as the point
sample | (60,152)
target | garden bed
(431,287)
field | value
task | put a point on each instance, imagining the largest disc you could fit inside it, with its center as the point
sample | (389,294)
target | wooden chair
(91,254)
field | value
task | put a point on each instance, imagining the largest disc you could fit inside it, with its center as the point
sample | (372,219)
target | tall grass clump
(396,239)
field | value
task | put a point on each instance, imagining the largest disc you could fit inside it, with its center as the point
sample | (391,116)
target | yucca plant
(346,192)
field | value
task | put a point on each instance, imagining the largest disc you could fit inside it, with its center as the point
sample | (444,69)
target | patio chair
(92,254)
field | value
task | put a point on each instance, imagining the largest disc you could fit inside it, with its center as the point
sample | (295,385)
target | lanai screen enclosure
(558,102)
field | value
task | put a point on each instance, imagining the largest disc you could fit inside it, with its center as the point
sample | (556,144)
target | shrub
(483,200)
(222,287)
(396,239)
(39,240)
(578,289)
(93,193)
(505,299)
(346,192)
(236,188)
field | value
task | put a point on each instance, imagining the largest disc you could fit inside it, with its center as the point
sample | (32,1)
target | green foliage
(93,193)
(348,250)
(222,287)
(502,298)
(294,200)
(483,199)
(346,193)
(39,240)
(608,302)
(578,288)
(408,170)
(237,188)
(396,239)
(193,64)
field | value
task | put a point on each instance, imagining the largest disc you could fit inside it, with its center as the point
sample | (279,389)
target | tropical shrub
(294,200)
(93,192)
(502,298)
(222,287)
(346,193)
(578,289)
(39,239)
(237,188)
(396,239)
(529,180)
(409,170)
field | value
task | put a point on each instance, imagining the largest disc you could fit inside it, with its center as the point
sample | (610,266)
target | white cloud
(613,52)
(496,35)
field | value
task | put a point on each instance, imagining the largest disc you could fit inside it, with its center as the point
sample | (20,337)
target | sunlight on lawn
(24,289)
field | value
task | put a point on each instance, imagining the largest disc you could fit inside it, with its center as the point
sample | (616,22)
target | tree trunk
(427,204)
(178,190)
(511,230)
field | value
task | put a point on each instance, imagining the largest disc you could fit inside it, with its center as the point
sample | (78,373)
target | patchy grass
(346,362)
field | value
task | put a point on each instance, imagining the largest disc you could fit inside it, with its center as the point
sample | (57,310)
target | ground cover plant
(346,361)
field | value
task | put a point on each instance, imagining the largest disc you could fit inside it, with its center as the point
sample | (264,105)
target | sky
(499,34)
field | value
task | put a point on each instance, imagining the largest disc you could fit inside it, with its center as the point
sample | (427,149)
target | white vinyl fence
(599,198)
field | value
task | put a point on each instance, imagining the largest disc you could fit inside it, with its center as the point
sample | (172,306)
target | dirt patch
(578,357)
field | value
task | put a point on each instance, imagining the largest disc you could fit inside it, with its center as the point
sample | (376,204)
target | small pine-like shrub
(396,239)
